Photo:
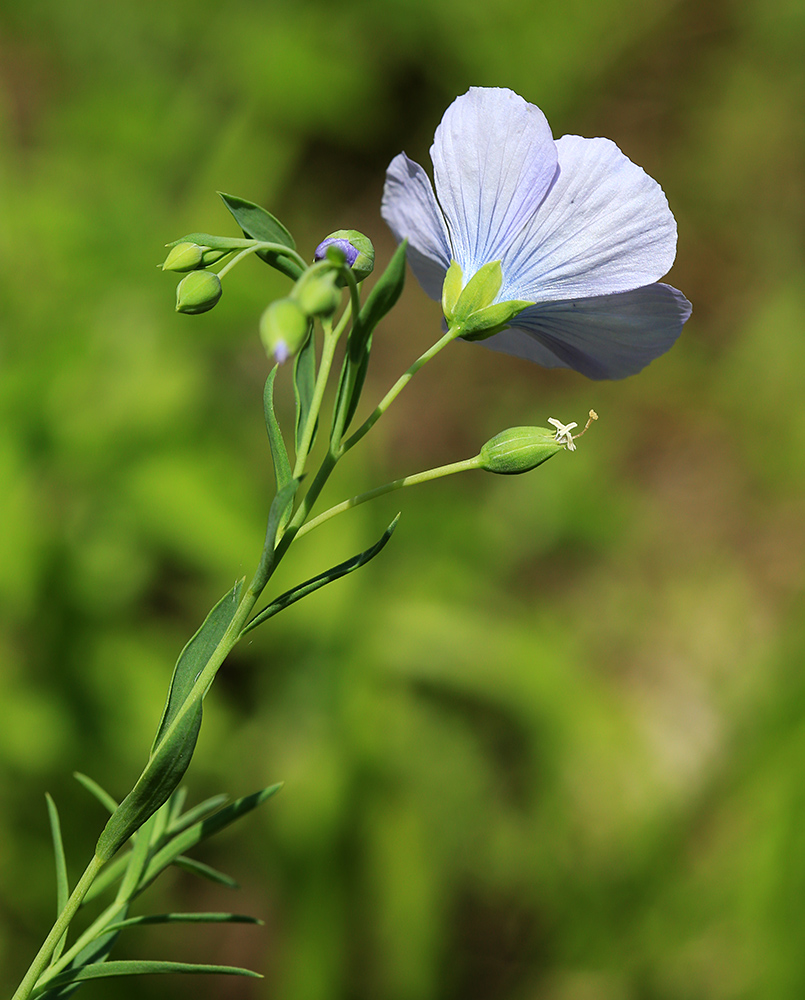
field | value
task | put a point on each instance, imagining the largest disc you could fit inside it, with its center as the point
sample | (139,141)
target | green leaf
(62,884)
(92,954)
(258,224)
(304,385)
(379,302)
(199,812)
(205,871)
(202,830)
(279,511)
(176,735)
(279,453)
(185,918)
(195,656)
(316,582)
(353,375)
(95,789)
(134,967)
(177,801)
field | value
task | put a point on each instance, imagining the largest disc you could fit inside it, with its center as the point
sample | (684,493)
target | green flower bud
(184,257)
(210,256)
(358,251)
(284,329)
(519,449)
(317,292)
(198,292)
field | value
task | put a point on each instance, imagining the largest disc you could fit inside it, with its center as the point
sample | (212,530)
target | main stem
(38,965)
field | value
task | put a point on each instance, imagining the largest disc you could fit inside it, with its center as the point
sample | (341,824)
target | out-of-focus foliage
(550,745)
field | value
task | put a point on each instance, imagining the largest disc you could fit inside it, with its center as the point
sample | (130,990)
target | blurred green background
(551,744)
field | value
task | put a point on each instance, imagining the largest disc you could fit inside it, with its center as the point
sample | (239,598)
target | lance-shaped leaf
(350,387)
(185,918)
(379,302)
(304,385)
(202,830)
(261,225)
(62,884)
(279,453)
(176,735)
(95,789)
(134,967)
(206,871)
(317,582)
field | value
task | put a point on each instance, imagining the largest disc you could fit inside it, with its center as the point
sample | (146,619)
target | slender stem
(397,388)
(327,354)
(420,477)
(276,247)
(59,928)
(94,931)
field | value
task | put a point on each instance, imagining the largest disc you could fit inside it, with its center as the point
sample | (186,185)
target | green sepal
(479,292)
(379,302)
(258,224)
(304,385)
(276,442)
(451,289)
(176,735)
(135,967)
(317,582)
(205,828)
(492,319)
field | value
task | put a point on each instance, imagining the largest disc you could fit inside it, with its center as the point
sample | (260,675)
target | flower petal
(494,159)
(410,209)
(604,227)
(606,337)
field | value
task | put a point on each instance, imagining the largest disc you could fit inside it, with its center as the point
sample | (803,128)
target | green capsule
(519,449)
(198,292)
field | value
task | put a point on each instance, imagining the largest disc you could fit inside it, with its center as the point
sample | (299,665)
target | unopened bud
(519,449)
(284,329)
(184,257)
(198,292)
(316,292)
(358,251)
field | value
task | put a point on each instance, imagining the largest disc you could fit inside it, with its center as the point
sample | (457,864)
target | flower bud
(316,292)
(519,449)
(357,249)
(198,292)
(284,329)
(184,257)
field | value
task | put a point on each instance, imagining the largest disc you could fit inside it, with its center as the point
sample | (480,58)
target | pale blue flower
(579,230)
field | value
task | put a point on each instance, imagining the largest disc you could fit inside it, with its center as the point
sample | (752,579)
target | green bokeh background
(551,744)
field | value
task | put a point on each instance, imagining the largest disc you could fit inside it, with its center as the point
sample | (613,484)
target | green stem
(254,247)
(327,355)
(59,928)
(397,388)
(420,477)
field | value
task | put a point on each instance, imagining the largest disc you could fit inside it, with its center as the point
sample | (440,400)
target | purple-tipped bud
(284,329)
(358,251)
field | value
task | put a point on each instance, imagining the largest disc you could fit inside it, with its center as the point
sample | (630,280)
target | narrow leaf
(206,871)
(185,918)
(379,302)
(95,789)
(199,812)
(177,801)
(93,954)
(278,512)
(176,735)
(279,453)
(134,967)
(350,387)
(62,884)
(316,582)
(195,656)
(202,830)
(304,385)
(258,224)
